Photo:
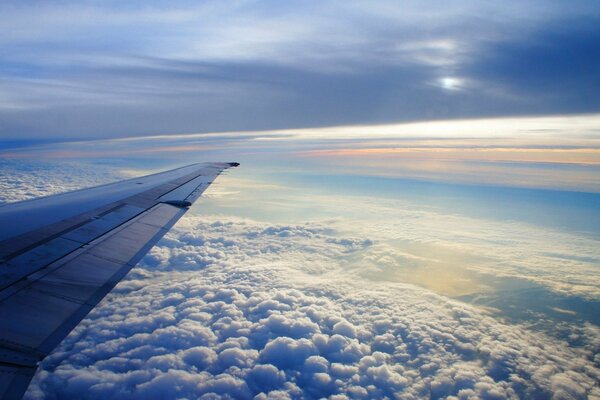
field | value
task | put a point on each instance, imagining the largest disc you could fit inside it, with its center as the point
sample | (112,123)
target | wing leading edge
(60,255)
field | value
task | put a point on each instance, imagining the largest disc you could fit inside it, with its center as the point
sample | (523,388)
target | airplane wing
(60,255)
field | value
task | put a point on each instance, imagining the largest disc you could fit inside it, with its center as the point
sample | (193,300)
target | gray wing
(60,255)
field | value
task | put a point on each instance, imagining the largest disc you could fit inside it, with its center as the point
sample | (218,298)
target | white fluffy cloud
(411,241)
(22,180)
(231,307)
(228,307)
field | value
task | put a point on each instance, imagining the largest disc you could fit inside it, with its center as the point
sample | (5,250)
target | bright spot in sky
(450,83)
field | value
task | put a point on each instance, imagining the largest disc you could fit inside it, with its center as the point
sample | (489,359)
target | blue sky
(104,69)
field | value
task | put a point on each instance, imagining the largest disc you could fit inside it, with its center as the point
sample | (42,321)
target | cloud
(233,307)
(558,62)
(25,180)
(225,307)
(159,68)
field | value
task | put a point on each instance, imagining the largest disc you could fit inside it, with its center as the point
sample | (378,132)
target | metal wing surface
(60,255)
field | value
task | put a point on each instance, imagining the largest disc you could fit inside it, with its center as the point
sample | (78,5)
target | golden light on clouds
(563,129)
(557,152)
(504,154)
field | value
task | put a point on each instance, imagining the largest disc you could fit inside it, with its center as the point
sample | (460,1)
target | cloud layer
(22,180)
(98,70)
(225,307)
(233,307)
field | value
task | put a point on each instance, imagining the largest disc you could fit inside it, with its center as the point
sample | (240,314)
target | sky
(416,213)
(98,69)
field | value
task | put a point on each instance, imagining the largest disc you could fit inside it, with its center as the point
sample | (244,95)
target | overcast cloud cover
(98,69)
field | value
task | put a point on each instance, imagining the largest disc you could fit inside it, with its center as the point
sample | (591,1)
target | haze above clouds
(558,152)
